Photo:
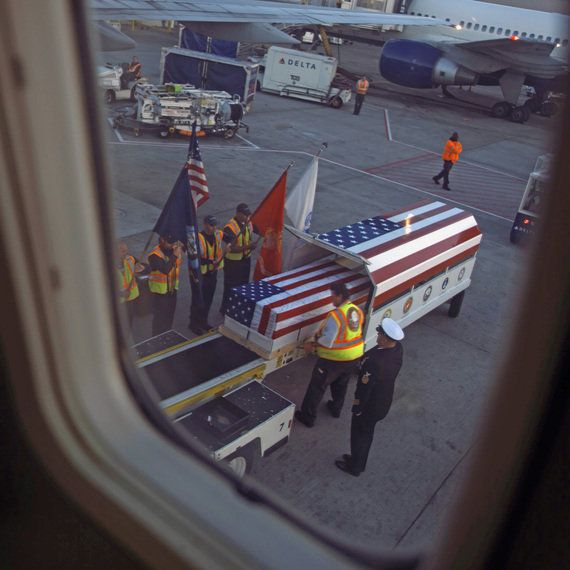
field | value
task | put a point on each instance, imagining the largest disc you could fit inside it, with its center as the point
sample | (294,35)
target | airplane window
(413,13)
(565,43)
(476,27)
(484,28)
(532,36)
(507,32)
(549,39)
(523,35)
(492,30)
(469,24)
(447,20)
(462,23)
(499,31)
(541,37)
(557,41)
(516,33)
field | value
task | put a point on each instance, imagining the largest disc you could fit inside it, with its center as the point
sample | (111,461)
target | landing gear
(548,108)
(501,110)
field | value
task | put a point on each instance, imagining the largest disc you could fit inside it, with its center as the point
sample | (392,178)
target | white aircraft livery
(486,44)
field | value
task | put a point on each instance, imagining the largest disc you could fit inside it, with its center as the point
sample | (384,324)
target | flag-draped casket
(426,250)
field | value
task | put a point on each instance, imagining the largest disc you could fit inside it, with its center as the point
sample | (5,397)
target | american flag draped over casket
(401,248)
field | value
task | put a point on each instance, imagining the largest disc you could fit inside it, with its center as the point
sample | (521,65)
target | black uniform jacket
(375,388)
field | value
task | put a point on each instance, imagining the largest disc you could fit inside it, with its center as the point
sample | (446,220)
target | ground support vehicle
(210,71)
(402,265)
(173,108)
(309,76)
(220,402)
(112,81)
(527,215)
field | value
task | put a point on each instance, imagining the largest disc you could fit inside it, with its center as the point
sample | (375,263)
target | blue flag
(178,218)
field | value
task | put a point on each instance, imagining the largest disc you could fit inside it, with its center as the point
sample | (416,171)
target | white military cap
(391,329)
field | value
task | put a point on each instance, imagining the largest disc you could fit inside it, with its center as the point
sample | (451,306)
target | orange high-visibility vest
(243,238)
(161,283)
(213,253)
(128,281)
(348,344)
(452,151)
(362,86)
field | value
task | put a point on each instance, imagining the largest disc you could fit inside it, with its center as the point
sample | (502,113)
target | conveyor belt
(197,364)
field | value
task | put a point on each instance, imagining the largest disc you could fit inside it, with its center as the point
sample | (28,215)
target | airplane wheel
(533,104)
(549,109)
(520,115)
(164,133)
(501,110)
(230,133)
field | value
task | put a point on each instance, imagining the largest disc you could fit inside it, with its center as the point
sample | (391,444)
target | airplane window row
(500,31)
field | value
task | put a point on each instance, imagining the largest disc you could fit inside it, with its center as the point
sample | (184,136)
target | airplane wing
(509,46)
(246,11)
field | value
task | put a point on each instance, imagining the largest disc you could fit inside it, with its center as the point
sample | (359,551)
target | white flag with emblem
(299,202)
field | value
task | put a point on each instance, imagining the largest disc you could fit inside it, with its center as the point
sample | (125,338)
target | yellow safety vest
(213,253)
(160,283)
(128,281)
(243,238)
(348,344)
(362,86)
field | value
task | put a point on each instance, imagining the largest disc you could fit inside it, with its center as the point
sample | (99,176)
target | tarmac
(381,160)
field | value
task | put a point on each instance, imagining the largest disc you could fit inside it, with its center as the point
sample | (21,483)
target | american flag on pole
(402,248)
(196,173)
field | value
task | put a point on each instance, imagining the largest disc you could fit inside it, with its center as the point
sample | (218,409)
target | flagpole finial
(324,146)
(290,165)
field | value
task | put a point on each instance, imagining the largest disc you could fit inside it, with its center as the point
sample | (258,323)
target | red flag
(268,220)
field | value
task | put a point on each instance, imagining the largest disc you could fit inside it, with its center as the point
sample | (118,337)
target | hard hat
(211,220)
(391,329)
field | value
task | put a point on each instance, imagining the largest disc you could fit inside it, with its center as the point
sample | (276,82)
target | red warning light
(514,38)
(526,221)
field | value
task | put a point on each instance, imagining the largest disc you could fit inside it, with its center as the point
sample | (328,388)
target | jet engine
(421,65)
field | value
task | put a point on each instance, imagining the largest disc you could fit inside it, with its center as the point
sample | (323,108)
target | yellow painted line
(215,390)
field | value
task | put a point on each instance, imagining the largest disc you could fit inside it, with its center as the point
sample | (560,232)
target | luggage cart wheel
(229,133)
(455,305)
(241,461)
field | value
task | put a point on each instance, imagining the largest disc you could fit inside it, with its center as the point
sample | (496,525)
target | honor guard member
(450,156)
(128,285)
(163,281)
(339,345)
(361,89)
(211,251)
(238,233)
(374,394)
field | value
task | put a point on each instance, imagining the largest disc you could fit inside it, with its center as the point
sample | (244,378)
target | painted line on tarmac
(246,141)
(168,145)
(391,139)
(387,125)
(116,131)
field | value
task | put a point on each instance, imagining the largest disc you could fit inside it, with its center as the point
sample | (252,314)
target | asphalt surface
(422,448)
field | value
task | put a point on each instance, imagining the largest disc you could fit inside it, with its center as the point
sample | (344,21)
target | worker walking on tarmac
(374,394)
(238,233)
(127,269)
(211,251)
(361,89)
(450,156)
(339,345)
(164,279)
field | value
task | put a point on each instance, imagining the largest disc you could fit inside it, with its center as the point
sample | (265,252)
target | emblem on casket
(427,293)
(408,304)
(387,314)
(461,274)
(445,282)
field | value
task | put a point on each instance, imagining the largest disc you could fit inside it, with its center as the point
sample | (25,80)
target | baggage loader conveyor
(211,385)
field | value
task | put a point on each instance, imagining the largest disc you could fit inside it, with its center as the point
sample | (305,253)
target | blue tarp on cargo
(198,42)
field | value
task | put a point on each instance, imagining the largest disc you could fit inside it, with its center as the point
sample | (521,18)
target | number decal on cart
(282,426)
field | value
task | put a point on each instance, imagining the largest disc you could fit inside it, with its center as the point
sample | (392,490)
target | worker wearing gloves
(374,394)
(127,269)
(211,250)
(361,89)
(450,156)
(238,234)
(164,279)
(339,346)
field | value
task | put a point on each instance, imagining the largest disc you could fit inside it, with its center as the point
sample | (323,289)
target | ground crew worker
(163,281)
(238,233)
(450,156)
(374,394)
(339,345)
(211,251)
(361,89)
(127,269)
(135,68)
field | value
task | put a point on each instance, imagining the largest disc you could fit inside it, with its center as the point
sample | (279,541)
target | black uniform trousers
(358,103)
(199,313)
(235,273)
(327,373)
(163,307)
(361,436)
(447,166)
